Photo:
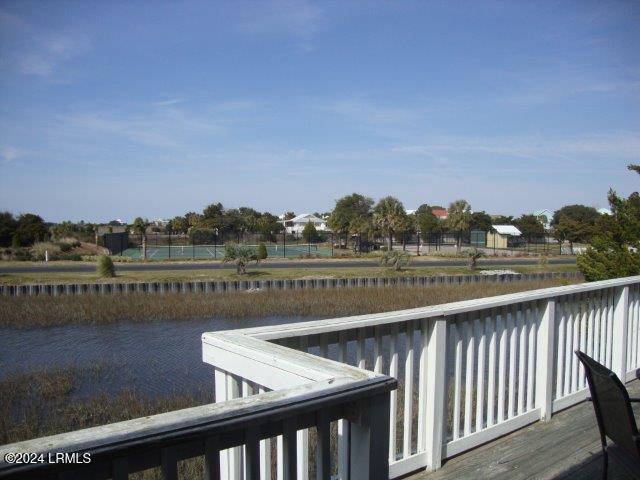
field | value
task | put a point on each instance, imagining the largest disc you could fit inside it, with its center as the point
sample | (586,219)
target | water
(155,358)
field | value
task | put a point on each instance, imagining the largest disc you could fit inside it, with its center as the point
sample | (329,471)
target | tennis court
(165,252)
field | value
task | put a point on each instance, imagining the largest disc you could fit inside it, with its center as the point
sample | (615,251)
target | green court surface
(165,252)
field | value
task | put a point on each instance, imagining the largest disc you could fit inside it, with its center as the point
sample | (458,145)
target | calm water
(154,358)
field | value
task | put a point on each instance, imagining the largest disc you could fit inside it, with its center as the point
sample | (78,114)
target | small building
(605,211)
(297,223)
(503,236)
(545,216)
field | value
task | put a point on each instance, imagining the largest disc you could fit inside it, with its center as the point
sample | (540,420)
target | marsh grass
(36,403)
(33,312)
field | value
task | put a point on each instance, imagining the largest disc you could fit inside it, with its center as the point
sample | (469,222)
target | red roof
(439,212)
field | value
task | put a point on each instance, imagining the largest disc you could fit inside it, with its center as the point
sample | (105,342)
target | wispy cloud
(167,103)
(32,51)
(624,145)
(300,19)
(10,154)
(172,125)
(369,113)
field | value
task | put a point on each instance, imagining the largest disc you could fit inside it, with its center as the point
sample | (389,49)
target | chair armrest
(634,399)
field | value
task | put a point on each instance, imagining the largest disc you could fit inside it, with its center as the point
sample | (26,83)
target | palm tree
(459,218)
(240,254)
(140,228)
(389,215)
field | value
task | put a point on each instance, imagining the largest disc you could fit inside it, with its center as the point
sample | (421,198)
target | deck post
(544,372)
(369,440)
(436,392)
(227,388)
(620,326)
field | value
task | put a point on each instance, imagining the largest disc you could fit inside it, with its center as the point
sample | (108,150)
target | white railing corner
(436,394)
(620,327)
(545,365)
(368,440)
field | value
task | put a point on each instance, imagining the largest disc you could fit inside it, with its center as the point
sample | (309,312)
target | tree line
(353,215)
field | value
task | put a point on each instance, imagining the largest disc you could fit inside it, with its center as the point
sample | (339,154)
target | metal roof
(306,217)
(507,230)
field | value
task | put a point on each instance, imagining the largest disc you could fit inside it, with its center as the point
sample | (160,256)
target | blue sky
(119,109)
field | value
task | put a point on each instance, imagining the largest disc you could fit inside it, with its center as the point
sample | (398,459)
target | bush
(474,255)
(39,250)
(67,244)
(64,247)
(604,263)
(30,229)
(106,269)
(19,254)
(262,251)
(396,259)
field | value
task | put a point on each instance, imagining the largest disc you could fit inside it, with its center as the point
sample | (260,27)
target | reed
(34,312)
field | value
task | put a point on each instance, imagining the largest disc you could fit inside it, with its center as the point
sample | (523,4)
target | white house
(297,223)
(545,216)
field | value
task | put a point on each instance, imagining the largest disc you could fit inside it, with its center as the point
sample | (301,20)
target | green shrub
(106,269)
(601,263)
(21,254)
(30,229)
(67,244)
(396,259)
(262,251)
(474,255)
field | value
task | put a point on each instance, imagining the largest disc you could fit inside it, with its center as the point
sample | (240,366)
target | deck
(567,447)
(500,363)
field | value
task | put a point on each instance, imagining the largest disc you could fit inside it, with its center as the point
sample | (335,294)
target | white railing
(232,438)
(468,371)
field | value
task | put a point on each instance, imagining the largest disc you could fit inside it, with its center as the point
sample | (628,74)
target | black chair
(612,405)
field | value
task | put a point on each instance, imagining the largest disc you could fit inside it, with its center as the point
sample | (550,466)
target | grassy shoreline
(255,273)
(40,402)
(36,312)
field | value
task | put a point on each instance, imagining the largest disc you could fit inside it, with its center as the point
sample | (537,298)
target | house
(605,211)
(440,213)
(545,216)
(297,223)
(503,236)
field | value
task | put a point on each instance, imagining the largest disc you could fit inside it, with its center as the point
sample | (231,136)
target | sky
(122,109)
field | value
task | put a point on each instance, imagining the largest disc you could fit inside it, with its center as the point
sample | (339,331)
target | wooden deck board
(567,447)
